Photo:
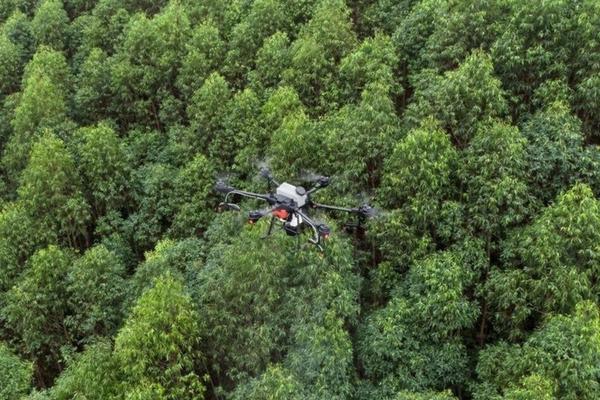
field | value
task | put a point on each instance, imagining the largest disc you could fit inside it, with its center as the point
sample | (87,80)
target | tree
(374,61)
(558,361)
(321,44)
(537,44)
(282,102)
(93,92)
(35,309)
(193,190)
(102,164)
(205,52)
(96,289)
(264,18)
(464,28)
(243,128)
(50,189)
(295,146)
(554,151)
(15,374)
(10,66)
(276,383)
(459,99)
(550,265)
(103,27)
(370,128)
(182,259)
(42,105)
(49,24)
(239,291)
(146,67)
(411,34)
(414,342)
(20,237)
(271,60)
(429,395)
(156,204)
(93,375)
(492,175)
(157,346)
(17,28)
(420,332)
(240,129)
(384,15)
(418,174)
(207,110)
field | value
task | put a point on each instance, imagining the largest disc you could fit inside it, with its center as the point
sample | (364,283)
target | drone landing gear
(228,207)
(270,230)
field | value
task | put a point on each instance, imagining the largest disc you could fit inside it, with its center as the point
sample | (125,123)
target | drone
(289,206)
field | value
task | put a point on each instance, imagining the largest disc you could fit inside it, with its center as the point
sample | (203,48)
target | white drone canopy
(296,193)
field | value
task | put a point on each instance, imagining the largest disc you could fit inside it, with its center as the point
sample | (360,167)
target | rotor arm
(365,211)
(334,208)
(322,182)
(266,173)
(251,195)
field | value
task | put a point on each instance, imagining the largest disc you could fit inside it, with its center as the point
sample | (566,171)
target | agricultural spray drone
(289,206)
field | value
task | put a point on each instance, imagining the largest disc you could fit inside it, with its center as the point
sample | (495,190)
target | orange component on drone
(281,213)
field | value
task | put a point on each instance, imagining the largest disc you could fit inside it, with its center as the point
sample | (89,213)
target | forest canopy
(474,126)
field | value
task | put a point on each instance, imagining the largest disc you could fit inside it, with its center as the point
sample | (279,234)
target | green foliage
(241,129)
(276,383)
(539,43)
(42,105)
(418,174)
(473,126)
(179,258)
(156,203)
(17,28)
(205,52)
(102,164)
(414,343)
(10,66)
(93,94)
(49,24)
(466,26)
(558,361)
(35,307)
(459,98)
(51,191)
(264,18)
(554,151)
(146,66)
(20,236)
(493,178)
(157,345)
(373,61)
(369,129)
(551,265)
(15,374)
(94,375)
(322,42)
(238,297)
(207,110)
(96,289)
(424,396)
(271,60)
(193,188)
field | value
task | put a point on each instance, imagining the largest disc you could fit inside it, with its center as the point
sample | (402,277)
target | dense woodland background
(473,124)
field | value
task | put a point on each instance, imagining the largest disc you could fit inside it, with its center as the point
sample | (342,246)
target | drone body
(290,205)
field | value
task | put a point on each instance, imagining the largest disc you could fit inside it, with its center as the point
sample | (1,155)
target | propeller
(223,187)
(367,211)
